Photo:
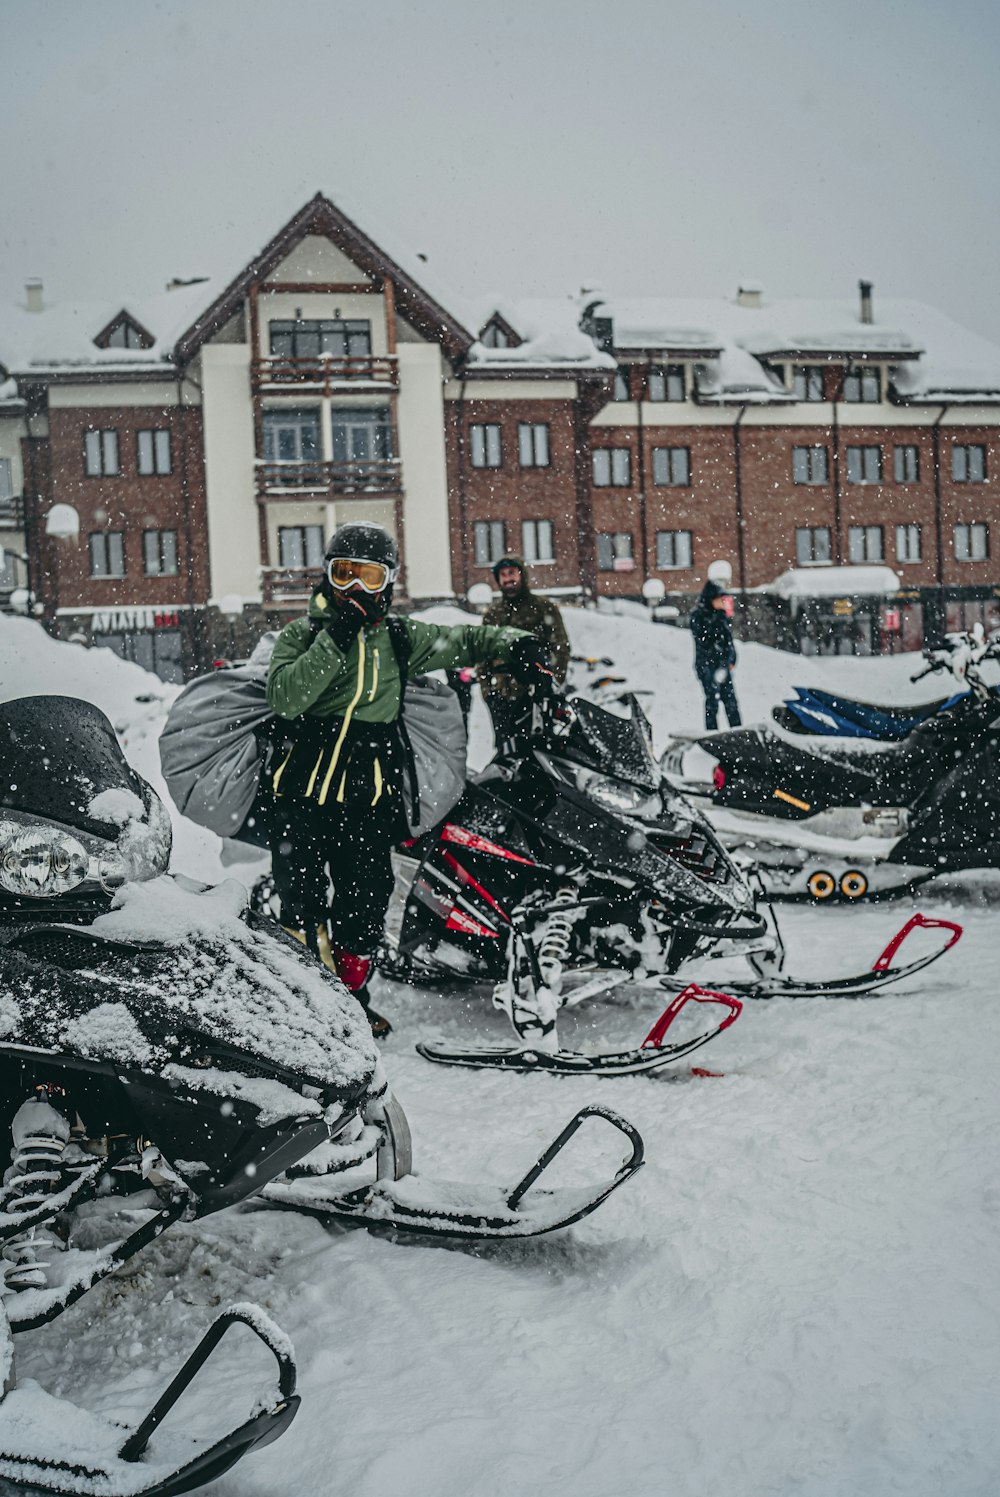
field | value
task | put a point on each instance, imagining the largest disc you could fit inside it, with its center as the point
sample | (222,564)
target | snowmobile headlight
(43,862)
(626,799)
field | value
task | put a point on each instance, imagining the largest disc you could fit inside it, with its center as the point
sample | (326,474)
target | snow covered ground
(799,1293)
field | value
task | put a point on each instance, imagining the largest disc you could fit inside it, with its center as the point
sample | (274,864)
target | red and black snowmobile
(571,853)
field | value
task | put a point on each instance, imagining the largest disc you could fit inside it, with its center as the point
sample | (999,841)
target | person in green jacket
(336,777)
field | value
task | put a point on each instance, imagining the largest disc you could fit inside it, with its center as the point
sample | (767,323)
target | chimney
(749,294)
(33,295)
(867,314)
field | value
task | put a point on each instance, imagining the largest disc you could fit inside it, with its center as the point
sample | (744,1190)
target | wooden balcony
(326,372)
(12,512)
(379,475)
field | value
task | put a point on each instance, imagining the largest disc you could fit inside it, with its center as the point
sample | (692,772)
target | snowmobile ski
(444,1208)
(651,1055)
(43,1451)
(883,971)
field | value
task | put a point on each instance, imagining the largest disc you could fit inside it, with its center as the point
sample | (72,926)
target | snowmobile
(572,855)
(857,820)
(813,711)
(166,1054)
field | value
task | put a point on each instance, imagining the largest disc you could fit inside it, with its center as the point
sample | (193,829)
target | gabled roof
(320,216)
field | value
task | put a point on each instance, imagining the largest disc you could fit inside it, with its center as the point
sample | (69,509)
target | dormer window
(124,332)
(498,333)
(862,386)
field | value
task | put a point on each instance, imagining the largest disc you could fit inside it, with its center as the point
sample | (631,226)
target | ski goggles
(373,576)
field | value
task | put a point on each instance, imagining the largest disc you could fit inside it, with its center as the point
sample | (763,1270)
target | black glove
(349,618)
(530,664)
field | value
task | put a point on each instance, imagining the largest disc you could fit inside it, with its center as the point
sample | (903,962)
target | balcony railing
(379,475)
(327,371)
(288,584)
(12,512)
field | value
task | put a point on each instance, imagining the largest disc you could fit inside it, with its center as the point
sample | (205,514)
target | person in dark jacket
(336,774)
(519,608)
(715,653)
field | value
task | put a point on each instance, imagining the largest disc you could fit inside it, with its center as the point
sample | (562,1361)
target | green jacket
(309,675)
(537,616)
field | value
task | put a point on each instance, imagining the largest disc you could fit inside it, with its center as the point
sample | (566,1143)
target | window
(300,546)
(159,553)
(673,549)
(621,385)
(971,543)
(360,434)
(812,546)
(968,463)
(671,466)
(807,381)
(810,465)
(291,436)
(907,540)
(311,339)
(665,382)
(107,553)
(100,453)
(484,446)
(125,335)
(862,386)
(494,336)
(864,543)
(906,464)
(536,540)
(614,551)
(612,467)
(153,452)
(533,444)
(6,485)
(864,465)
(488,541)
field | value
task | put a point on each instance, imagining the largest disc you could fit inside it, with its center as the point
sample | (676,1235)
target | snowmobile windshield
(60,760)
(616,745)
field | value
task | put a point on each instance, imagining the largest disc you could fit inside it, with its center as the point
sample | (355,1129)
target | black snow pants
(332,861)
(718,689)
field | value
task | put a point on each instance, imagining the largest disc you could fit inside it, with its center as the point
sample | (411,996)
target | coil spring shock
(555,939)
(40,1135)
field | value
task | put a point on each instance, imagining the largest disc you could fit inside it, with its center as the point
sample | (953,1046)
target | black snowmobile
(163,1054)
(822,819)
(570,854)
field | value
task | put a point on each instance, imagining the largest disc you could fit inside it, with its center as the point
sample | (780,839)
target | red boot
(354,972)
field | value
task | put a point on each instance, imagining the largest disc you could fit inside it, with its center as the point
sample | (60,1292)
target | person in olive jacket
(715,654)
(336,777)
(519,608)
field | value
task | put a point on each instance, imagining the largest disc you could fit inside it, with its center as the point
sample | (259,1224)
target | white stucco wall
(140,392)
(425,477)
(233,535)
(316,258)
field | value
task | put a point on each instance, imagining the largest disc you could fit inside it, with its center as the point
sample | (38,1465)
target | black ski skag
(650,1056)
(884,970)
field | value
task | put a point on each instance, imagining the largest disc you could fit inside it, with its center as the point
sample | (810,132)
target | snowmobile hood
(60,760)
(174,978)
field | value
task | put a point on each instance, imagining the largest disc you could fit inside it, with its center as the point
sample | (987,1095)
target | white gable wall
(315,258)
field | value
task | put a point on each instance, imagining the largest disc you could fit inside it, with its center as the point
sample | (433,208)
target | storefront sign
(890,619)
(129,620)
(842,607)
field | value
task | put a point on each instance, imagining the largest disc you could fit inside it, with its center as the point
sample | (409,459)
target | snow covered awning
(833,582)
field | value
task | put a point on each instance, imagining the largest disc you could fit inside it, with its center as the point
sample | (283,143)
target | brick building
(209,439)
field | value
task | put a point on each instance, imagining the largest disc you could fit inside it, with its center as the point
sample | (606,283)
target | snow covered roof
(936,358)
(549,329)
(833,582)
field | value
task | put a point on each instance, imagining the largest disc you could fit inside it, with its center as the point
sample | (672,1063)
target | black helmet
(360,540)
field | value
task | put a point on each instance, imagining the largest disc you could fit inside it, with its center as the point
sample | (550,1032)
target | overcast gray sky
(525,146)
